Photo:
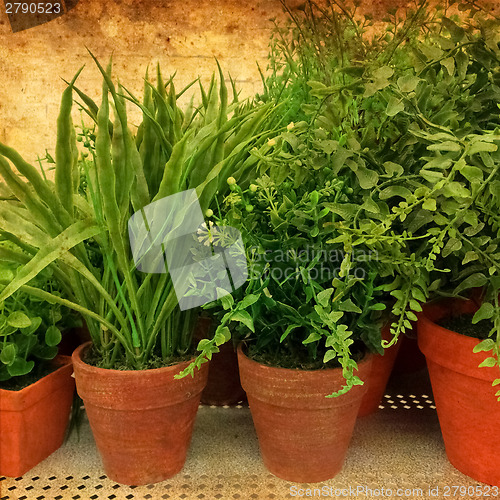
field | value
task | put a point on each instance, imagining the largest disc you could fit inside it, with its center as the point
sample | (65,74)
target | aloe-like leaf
(74,235)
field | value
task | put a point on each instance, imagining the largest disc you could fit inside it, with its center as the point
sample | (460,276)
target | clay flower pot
(223,384)
(142,420)
(380,372)
(33,420)
(468,411)
(303,436)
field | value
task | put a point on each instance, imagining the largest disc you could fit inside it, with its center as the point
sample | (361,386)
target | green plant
(311,299)
(30,329)
(414,120)
(425,150)
(77,225)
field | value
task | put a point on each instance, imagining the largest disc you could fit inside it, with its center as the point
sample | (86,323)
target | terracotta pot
(410,358)
(223,385)
(33,420)
(380,372)
(142,420)
(72,338)
(467,408)
(303,436)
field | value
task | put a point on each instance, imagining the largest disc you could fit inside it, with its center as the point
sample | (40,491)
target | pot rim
(61,360)
(447,313)
(367,357)
(77,357)
(450,349)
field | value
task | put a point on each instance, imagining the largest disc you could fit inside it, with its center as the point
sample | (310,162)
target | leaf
(472,173)
(227,300)
(383,73)
(452,245)
(488,362)
(456,190)
(367,178)
(346,210)
(444,146)
(393,168)
(247,301)
(408,83)
(394,106)
(484,346)
(289,328)
(8,354)
(457,33)
(431,176)
(473,230)
(245,318)
(54,249)
(478,147)
(429,204)
(449,64)
(475,280)
(349,306)
(18,319)
(334,316)
(392,191)
(313,337)
(53,336)
(323,297)
(329,355)
(484,312)
(20,367)
(371,206)
(45,352)
(469,257)
(222,335)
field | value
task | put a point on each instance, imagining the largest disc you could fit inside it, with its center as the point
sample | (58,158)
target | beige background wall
(184,35)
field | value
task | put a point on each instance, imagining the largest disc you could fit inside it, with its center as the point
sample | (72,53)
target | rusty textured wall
(184,35)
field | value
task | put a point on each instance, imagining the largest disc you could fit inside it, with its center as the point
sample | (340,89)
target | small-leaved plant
(30,328)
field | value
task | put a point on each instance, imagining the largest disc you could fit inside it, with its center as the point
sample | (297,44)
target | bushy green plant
(417,137)
(312,300)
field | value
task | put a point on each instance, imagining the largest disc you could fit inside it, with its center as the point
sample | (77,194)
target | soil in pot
(33,420)
(303,436)
(142,420)
(468,411)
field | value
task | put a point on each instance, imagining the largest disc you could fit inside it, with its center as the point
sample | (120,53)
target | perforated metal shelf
(398,447)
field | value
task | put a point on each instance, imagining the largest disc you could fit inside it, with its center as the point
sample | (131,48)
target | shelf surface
(399,447)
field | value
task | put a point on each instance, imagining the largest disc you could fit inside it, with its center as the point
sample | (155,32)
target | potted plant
(36,387)
(312,306)
(460,343)
(141,338)
(442,188)
(373,92)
